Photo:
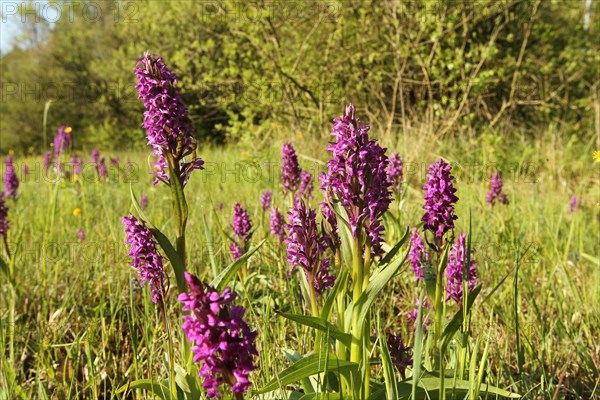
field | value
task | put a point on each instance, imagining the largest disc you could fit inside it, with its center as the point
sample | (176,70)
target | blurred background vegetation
(254,71)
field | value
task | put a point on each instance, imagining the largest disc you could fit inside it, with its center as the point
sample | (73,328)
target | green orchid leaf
(391,253)
(223,279)
(456,322)
(389,376)
(307,383)
(321,325)
(188,383)
(158,389)
(308,366)
(379,279)
(340,284)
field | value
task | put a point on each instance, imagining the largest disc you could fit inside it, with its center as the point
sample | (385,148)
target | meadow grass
(76,324)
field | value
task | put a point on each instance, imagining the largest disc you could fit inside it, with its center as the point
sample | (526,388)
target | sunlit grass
(83,327)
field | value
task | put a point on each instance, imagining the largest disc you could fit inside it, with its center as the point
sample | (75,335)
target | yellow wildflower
(596,156)
(77,212)
(68,130)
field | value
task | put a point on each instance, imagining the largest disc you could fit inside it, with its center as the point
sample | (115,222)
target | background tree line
(252,70)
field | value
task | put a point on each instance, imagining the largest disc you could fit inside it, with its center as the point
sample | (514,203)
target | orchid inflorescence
(165,119)
(357,178)
(290,169)
(460,267)
(439,200)
(418,254)
(145,257)
(242,229)
(222,341)
(277,225)
(265,199)
(395,171)
(46,160)
(11,181)
(495,194)
(307,247)
(62,140)
(4,225)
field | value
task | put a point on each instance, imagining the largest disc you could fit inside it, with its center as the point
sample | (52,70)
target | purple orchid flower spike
(47,160)
(395,171)
(439,200)
(357,178)
(11,181)
(165,120)
(277,225)
(495,193)
(265,199)
(418,254)
(456,268)
(4,225)
(62,140)
(306,247)
(290,170)
(242,226)
(222,342)
(145,257)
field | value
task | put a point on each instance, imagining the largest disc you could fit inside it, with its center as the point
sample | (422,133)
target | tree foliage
(450,65)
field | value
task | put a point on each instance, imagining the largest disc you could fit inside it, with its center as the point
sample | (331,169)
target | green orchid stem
(314,307)
(340,348)
(310,298)
(11,330)
(7,250)
(367,324)
(439,312)
(357,270)
(442,372)
(315,313)
(341,307)
(439,315)
(172,382)
(180,247)
(366,267)
(341,322)
(282,282)
(366,358)
(465,330)
(357,349)
(180,209)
